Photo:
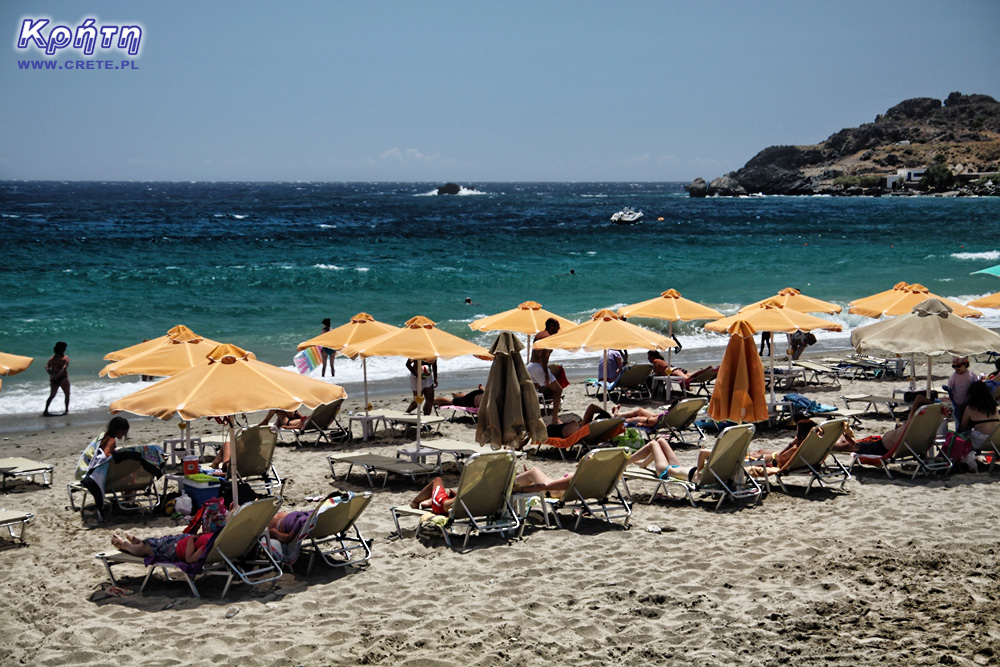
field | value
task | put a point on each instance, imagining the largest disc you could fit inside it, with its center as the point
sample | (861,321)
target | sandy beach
(890,571)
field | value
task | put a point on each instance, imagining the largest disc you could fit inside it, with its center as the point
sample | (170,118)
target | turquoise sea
(105,265)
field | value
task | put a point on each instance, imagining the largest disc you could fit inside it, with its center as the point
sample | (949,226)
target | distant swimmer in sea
(58,370)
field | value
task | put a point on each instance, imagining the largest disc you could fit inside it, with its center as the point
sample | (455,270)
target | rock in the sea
(698,187)
(726,186)
(449,189)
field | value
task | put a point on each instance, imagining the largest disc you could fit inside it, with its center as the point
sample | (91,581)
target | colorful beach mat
(308,359)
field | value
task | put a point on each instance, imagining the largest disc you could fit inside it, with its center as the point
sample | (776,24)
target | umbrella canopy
(168,358)
(528,318)
(509,409)
(230,381)
(990,271)
(931,328)
(670,306)
(991,301)
(902,301)
(770,315)
(362,327)
(179,332)
(739,394)
(12,364)
(795,300)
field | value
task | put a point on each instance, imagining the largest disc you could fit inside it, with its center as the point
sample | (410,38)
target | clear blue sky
(476,91)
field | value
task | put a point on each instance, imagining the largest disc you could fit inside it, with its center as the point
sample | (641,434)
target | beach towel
(83,464)
(149,456)
(191,569)
(806,404)
(308,359)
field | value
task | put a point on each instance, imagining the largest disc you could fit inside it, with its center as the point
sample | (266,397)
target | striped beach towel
(308,359)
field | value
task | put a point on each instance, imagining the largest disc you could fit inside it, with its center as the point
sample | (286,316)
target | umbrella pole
(232,462)
(913,372)
(772,368)
(670,329)
(364,371)
(604,382)
(929,379)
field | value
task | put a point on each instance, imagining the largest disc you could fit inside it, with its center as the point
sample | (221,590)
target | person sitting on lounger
(103,446)
(285,419)
(286,525)
(470,399)
(568,428)
(875,446)
(981,417)
(169,548)
(662,369)
(665,461)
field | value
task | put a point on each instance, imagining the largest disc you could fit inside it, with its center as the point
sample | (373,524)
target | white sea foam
(239,217)
(20,398)
(328,226)
(989,254)
(328,267)
(462,192)
(363,269)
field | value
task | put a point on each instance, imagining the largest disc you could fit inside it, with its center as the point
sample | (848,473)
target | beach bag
(631,438)
(956,447)
(209,518)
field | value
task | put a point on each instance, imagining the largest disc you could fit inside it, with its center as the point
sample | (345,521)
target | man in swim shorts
(538,369)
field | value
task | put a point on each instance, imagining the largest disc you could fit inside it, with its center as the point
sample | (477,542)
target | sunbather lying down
(639,416)
(181,547)
(665,461)
(439,499)
(470,399)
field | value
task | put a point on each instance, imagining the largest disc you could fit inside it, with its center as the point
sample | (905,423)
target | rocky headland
(919,146)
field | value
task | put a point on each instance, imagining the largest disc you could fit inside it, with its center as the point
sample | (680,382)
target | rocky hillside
(961,134)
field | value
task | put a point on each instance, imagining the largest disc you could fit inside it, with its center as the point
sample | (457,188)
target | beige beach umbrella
(795,300)
(672,307)
(418,339)
(931,328)
(228,382)
(771,316)
(12,364)
(509,409)
(606,331)
(528,318)
(991,301)
(179,332)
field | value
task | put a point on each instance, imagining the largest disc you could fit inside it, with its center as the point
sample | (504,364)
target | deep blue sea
(105,265)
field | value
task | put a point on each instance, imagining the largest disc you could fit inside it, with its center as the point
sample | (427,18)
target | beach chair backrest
(815,448)
(324,415)
(127,475)
(243,527)
(601,430)
(730,450)
(597,474)
(485,486)
(633,376)
(921,430)
(335,519)
(684,412)
(255,450)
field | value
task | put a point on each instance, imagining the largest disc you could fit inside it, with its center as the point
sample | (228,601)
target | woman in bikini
(665,461)
(184,548)
(981,417)
(639,416)
(286,419)
(470,399)
(58,370)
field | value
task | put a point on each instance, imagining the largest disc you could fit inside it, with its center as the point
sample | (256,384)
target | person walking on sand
(423,380)
(58,370)
(328,354)
(538,369)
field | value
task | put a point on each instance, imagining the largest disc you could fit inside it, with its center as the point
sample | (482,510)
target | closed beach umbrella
(418,339)
(739,394)
(528,318)
(771,316)
(12,364)
(168,358)
(672,307)
(229,381)
(902,301)
(991,301)
(606,331)
(931,328)
(795,300)
(362,327)
(179,332)
(509,409)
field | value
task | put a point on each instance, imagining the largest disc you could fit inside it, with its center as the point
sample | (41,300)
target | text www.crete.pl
(77,64)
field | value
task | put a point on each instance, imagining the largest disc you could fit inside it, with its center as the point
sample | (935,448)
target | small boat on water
(626,216)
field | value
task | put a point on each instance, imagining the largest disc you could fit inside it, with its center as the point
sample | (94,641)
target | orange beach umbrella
(902,301)
(12,364)
(739,394)
(606,331)
(361,327)
(528,318)
(230,381)
(168,358)
(796,300)
(991,301)
(180,332)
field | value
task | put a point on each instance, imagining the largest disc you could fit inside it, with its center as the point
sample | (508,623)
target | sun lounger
(593,489)
(453,412)
(25,468)
(723,475)
(679,419)
(460,450)
(817,373)
(327,533)
(374,463)
(11,519)
(632,383)
(232,554)
(992,447)
(587,437)
(323,422)
(129,483)
(701,382)
(395,418)
(255,447)
(915,445)
(482,500)
(871,402)
(815,457)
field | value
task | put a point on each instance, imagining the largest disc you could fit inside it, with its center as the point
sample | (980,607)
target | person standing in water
(328,354)
(58,370)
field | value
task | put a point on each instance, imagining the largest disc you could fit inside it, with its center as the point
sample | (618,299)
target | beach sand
(890,571)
